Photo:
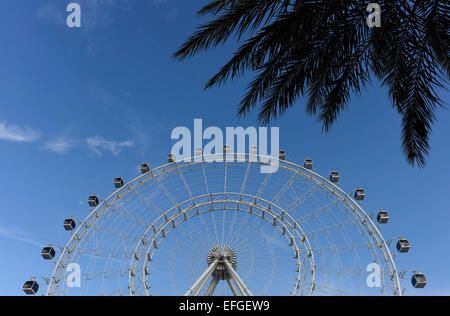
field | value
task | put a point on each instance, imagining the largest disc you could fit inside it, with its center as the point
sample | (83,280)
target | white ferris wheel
(225,228)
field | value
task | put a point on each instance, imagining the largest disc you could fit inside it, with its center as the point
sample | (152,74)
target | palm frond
(323,50)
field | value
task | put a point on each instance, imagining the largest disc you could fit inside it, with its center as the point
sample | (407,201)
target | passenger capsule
(30,287)
(93,201)
(383,217)
(69,224)
(359,194)
(403,245)
(334,176)
(418,280)
(118,182)
(48,253)
(308,163)
(145,168)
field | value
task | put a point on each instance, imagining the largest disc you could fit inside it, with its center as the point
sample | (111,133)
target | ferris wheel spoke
(244,183)
(263,185)
(188,190)
(336,249)
(332,245)
(133,217)
(299,201)
(149,203)
(243,224)
(283,189)
(224,205)
(329,229)
(292,229)
(244,237)
(317,211)
(351,245)
(172,199)
(210,200)
(95,228)
(240,230)
(166,192)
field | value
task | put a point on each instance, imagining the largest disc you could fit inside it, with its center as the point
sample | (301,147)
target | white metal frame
(71,250)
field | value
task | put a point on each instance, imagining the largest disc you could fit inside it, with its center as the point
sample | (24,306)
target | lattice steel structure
(225,228)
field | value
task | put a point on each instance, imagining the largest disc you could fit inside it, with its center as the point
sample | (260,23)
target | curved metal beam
(100,210)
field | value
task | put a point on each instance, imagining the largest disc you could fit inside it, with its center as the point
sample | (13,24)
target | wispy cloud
(52,13)
(100,13)
(99,145)
(59,146)
(106,98)
(12,234)
(274,239)
(158,2)
(172,15)
(141,136)
(17,133)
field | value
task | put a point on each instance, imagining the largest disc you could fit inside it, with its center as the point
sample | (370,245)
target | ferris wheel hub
(222,253)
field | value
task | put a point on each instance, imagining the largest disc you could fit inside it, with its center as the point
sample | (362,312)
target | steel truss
(290,227)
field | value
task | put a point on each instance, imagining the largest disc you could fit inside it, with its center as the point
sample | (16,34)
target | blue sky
(82,106)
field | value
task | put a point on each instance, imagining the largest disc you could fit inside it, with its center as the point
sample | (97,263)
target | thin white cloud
(172,15)
(8,233)
(101,13)
(52,13)
(274,239)
(59,146)
(16,133)
(142,136)
(99,145)
(158,2)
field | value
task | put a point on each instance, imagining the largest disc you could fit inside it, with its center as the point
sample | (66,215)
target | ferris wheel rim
(287,165)
(136,257)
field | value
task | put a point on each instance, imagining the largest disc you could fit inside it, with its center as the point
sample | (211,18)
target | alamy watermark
(74,18)
(374,18)
(74,275)
(215,149)
(374,278)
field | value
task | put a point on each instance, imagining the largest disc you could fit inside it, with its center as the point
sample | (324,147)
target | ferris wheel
(216,225)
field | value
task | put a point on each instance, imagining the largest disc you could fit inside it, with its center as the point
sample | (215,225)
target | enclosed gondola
(418,280)
(145,168)
(334,176)
(360,194)
(48,253)
(403,245)
(382,217)
(93,201)
(308,163)
(69,224)
(118,182)
(30,287)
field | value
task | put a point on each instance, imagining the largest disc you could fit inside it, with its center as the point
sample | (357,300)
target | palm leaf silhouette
(324,51)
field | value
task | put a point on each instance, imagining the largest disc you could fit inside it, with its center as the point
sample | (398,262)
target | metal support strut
(212,286)
(230,276)
(241,285)
(203,278)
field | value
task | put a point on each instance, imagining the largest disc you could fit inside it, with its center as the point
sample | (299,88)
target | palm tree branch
(239,18)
